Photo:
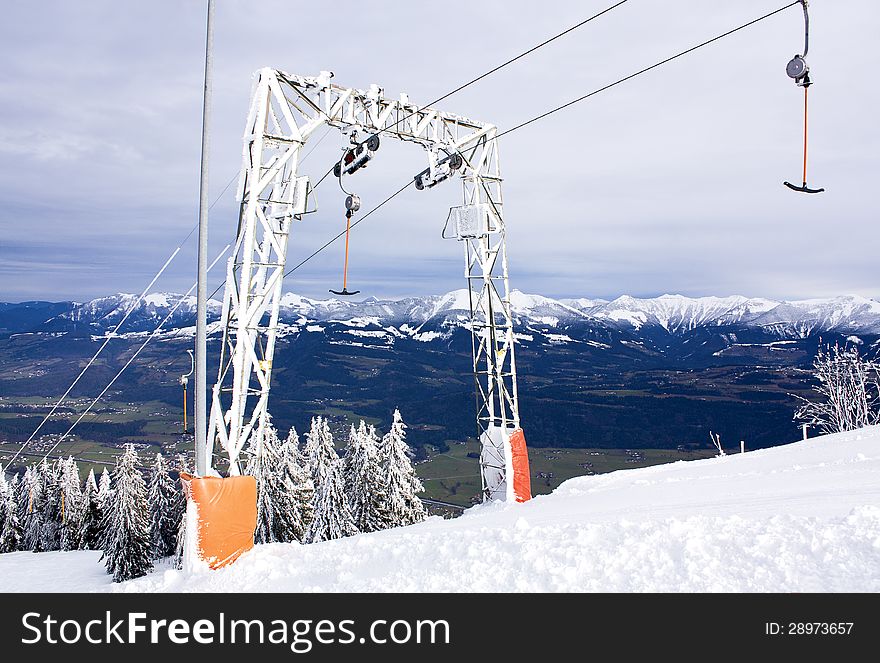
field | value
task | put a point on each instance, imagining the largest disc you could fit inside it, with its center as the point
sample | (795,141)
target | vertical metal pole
(201,429)
(804,427)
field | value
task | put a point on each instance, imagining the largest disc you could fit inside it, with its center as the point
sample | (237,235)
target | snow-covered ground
(797,518)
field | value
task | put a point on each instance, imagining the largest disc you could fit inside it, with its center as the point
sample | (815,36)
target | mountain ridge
(672,313)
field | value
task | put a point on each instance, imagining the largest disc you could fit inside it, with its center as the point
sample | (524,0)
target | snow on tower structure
(284,113)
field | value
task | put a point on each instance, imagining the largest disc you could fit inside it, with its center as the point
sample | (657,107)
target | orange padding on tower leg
(227,516)
(522,483)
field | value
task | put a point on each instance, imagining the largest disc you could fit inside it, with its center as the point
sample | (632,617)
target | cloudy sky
(671,182)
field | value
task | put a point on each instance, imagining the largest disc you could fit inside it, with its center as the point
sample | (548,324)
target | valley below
(600,387)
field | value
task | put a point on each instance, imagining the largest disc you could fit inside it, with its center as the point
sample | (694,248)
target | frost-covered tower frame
(285,111)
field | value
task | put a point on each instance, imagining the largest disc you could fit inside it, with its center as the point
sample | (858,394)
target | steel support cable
(643,71)
(91,361)
(446,96)
(511,60)
(125,317)
(134,356)
(112,334)
(566,105)
(484,75)
(343,233)
(79,459)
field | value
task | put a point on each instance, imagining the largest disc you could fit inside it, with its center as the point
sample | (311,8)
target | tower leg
(503,457)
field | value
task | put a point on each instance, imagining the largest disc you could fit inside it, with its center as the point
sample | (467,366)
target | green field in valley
(454,476)
(451,477)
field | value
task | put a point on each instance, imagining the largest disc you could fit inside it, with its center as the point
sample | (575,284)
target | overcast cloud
(671,182)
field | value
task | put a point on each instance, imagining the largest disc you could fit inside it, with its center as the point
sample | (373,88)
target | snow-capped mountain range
(613,368)
(667,314)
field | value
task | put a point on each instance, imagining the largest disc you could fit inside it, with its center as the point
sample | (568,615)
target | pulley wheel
(352,203)
(797,67)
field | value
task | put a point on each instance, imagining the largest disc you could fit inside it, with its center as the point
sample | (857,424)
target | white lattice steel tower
(285,111)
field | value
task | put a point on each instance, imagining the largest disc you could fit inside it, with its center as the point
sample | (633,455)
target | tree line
(306,493)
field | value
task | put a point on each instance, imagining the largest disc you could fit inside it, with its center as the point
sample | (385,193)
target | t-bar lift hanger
(799,70)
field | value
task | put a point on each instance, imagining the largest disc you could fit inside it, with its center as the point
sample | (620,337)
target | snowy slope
(796,518)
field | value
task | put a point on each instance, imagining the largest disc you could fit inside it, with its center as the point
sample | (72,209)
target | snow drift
(803,517)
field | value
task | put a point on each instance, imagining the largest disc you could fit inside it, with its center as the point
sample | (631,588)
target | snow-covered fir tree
(352,449)
(105,490)
(50,480)
(11,531)
(298,473)
(5,489)
(298,450)
(72,505)
(332,516)
(320,451)
(32,507)
(127,549)
(105,487)
(277,512)
(90,525)
(401,483)
(162,496)
(364,484)
(22,499)
(180,511)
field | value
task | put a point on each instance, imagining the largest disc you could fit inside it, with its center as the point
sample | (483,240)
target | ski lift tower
(285,111)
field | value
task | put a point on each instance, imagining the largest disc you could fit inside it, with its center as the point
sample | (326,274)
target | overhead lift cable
(134,305)
(111,335)
(559,108)
(343,233)
(514,59)
(645,70)
(337,167)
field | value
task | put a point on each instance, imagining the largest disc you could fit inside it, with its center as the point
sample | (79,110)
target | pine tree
(72,506)
(32,506)
(127,550)
(401,483)
(104,487)
(332,515)
(105,492)
(4,494)
(162,496)
(22,500)
(11,531)
(50,480)
(364,485)
(90,525)
(180,512)
(277,513)
(302,487)
(320,451)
